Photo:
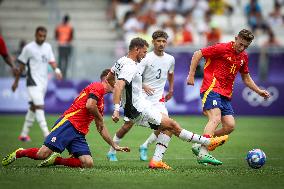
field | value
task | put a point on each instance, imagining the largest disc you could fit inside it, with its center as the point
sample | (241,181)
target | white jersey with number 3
(155,71)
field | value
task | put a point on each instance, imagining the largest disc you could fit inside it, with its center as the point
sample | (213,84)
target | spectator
(275,18)
(6,56)
(214,34)
(64,33)
(272,40)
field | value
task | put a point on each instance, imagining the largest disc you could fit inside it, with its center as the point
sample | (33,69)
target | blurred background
(102,30)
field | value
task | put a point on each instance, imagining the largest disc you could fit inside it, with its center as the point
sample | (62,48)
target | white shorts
(36,94)
(151,116)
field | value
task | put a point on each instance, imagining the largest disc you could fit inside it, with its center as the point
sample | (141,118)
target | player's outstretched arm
(251,84)
(57,71)
(193,65)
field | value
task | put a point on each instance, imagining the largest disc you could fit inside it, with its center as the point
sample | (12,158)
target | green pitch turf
(265,133)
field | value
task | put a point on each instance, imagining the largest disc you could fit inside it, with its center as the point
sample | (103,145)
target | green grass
(251,132)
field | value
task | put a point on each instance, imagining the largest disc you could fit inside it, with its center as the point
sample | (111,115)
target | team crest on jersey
(229,58)
(53,139)
(242,62)
(214,102)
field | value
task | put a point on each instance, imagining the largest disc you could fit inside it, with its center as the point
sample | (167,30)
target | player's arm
(17,76)
(171,86)
(118,87)
(9,61)
(251,84)
(56,70)
(91,106)
(193,65)
(148,90)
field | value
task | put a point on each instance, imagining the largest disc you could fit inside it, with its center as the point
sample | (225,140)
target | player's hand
(58,73)
(121,149)
(15,71)
(115,116)
(264,93)
(190,80)
(148,90)
(14,86)
(169,95)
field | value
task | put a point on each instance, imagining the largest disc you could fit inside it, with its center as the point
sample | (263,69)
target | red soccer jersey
(3,48)
(78,114)
(221,67)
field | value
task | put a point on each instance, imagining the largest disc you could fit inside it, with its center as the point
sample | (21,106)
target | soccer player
(36,55)
(156,68)
(223,62)
(128,90)
(5,55)
(70,129)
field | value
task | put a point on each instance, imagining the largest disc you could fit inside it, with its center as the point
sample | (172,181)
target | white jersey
(155,71)
(133,99)
(36,58)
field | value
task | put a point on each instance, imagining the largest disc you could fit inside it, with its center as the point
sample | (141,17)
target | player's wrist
(116,107)
(57,71)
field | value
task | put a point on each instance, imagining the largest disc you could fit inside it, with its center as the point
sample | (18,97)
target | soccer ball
(256,158)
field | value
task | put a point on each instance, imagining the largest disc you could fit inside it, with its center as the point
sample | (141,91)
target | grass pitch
(265,133)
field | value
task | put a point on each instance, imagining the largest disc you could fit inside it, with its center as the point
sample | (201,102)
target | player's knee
(229,128)
(87,163)
(43,155)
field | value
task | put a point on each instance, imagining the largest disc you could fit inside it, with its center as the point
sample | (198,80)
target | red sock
(70,162)
(207,136)
(30,153)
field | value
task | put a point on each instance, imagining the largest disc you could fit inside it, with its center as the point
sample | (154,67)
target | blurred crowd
(191,22)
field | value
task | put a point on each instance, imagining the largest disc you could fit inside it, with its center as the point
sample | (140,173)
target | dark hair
(138,42)
(104,73)
(40,28)
(246,35)
(159,33)
(66,18)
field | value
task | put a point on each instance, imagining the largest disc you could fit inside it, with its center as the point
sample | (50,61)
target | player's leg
(37,94)
(143,149)
(111,155)
(29,121)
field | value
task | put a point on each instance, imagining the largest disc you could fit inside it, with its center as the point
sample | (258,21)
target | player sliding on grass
(128,90)
(223,62)
(156,68)
(70,129)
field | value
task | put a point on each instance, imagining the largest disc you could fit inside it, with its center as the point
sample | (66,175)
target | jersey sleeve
(51,57)
(96,93)
(244,69)
(213,51)
(127,73)
(172,65)
(3,48)
(24,56)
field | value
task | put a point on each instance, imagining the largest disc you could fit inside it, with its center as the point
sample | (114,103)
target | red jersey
(78,114)
(221,67)
(3,48)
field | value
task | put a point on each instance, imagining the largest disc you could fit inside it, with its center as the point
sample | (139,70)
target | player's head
(159,40)
(40,35)
(243,40)
(109,81)
(138,48)
(66,18)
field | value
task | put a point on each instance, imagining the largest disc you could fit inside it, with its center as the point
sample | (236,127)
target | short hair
(66,18)
(246,35)
(159,33)
(138,42)
(104,73)
(40,28)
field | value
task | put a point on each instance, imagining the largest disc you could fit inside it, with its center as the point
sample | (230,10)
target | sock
(116,140)
(70,162)
(203,149)
(161,146)
(30,153)
(29,120)
(191,137)
(39,113)
(152,138)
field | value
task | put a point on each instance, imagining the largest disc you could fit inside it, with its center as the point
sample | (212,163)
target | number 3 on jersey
(159,74)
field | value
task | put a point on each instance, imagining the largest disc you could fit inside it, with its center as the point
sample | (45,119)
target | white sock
(29,120)
(191,137)
(203,151)
(116,140)
(152,138)
(39,113)
(161,146)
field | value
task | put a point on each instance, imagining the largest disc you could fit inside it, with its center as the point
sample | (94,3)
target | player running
(36,56)
(128,90)
(70,129)
(223,62)
(156,68)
